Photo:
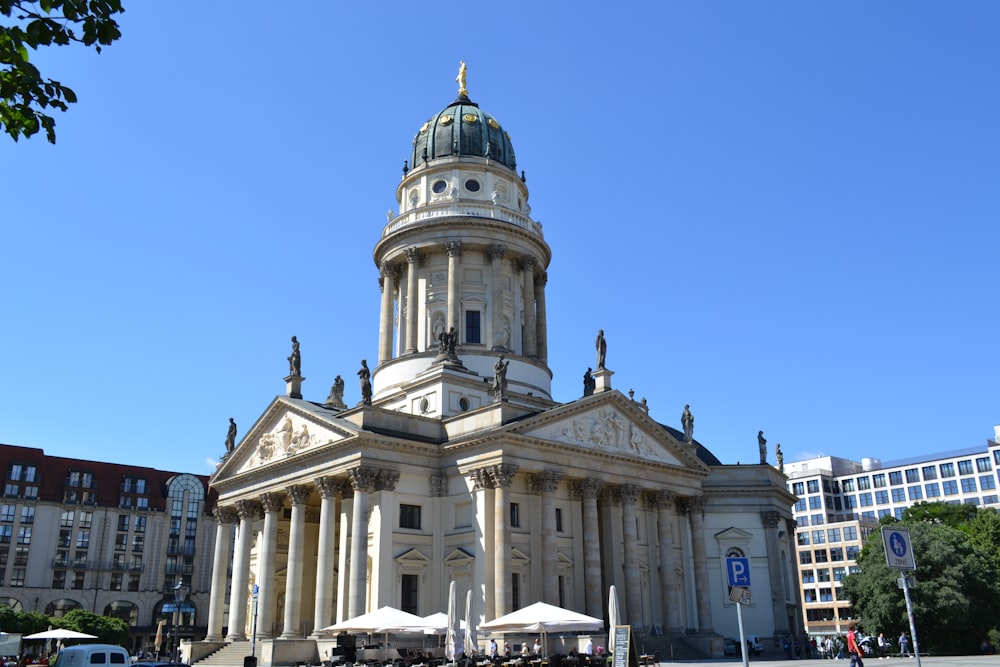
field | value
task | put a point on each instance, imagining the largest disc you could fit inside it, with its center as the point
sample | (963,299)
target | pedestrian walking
(852,646)
(904,645)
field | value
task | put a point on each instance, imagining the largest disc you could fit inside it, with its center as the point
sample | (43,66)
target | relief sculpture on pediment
(608,430)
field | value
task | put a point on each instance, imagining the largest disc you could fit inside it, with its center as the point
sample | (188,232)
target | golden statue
(462,91)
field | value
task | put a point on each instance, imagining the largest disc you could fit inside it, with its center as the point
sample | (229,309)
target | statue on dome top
(462,91)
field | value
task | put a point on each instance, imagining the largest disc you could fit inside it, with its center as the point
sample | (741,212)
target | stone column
(589,490)
(362,480)
(412,308)
(545,484)
(248,511)
(530,337)
(696,516)
(502,476)
(494,253)
(325,560)
(541,325)
(779,596)
(454,250)
(385,325)
(273,503)
(298,494)
(628,494)
(224,518)
(665,503)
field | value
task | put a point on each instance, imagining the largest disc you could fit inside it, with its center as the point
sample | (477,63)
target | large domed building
(459,464)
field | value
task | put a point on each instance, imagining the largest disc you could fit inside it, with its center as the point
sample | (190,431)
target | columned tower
(463,256)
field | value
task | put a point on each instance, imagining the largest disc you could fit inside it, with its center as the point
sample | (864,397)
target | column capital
(662,499)
(503,474)
(481,479)
(770,519)
(248,509)
(694,505)
(527,264)
(385,480)
(628,494)
(439,485)
(412,255)
(494,251)
(588,489)
(299,493)
(544,482)
(541,279)
(328,486)
(453,248)
(362,478)
(389,269)
(273,501)
(225,515)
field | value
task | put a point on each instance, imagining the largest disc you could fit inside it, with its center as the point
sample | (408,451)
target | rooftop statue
(462,91)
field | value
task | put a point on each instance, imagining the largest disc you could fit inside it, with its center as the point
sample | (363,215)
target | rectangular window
(983,464)
(868,514)
(559,526)
(83,539)
(815,502)
(802,521)
(866,499)
(15,472)
(996,456)
(848,486)
(965,467)
(138,541)
(882,513)
(798,488)
(142,503)
(930,472)
(821,555)
(850,533)
(881,497)
(852,552)
(823,575)
(17,577)
(140,524)
(10,490)
(800,505)
(7,513)
(950,487)
(987,482)
(899,495)
(915,492)
(133,583)
(24,535)
(472,332)
(805,557)
(59,579)
(813,486)
(833,535)
(515,589)
(826,595)
(86,519)
(990,500)
(116,581)
(947,469)
(878,481)
(66,520)
(21,556)
(78,578)
(969,485)
(850,502)
(864,484)
(409,516)
(809,595)
(933,490)
(898,513)
(895,478)
(819,537)
(912,475)
(28,514)
(817,519)
(836,554)
(803,538)
(808,577)
(515,516)
(123,521)
(31,492)
(408,594)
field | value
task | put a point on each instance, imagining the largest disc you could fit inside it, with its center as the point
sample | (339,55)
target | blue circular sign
(897,544)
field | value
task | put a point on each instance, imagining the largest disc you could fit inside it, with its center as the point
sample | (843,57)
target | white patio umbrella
(384,620)
(60,633)
(451,635)
(544,619)
(470,625)
(614,617)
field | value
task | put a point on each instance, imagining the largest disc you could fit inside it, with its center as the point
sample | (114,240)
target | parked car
(754,647)
(731,647)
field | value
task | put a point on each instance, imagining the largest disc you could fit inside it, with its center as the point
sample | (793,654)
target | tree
(24,93)
(954,600)
(108,629)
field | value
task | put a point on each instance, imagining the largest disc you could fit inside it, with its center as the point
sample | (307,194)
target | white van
(94,655)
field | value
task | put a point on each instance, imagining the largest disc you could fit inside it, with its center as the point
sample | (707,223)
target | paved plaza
(925,661)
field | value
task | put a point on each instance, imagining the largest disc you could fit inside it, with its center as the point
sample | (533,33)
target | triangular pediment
(610,426)
(287,428)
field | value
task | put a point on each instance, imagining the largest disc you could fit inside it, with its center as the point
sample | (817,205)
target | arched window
(58,608)
(124,610)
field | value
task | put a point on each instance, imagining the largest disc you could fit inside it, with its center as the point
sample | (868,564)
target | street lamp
(180,595)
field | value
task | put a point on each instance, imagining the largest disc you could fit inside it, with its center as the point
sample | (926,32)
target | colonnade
(360,482)
(398,280)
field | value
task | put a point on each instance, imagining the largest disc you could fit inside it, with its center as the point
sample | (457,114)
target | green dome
(462,129)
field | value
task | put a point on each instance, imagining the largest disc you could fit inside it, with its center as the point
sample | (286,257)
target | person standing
(852,645)
(904,645)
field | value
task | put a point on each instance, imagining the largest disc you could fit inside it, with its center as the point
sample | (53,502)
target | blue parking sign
(739,571)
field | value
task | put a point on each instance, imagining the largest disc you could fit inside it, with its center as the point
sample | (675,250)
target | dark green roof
(463,129)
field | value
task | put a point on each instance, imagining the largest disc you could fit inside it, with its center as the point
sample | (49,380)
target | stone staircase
(230,655)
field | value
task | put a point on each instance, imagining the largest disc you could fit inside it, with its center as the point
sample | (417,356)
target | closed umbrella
(614,617)
(451,636)
(470,625)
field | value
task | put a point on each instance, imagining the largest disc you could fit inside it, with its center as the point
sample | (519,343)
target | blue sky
(782,213)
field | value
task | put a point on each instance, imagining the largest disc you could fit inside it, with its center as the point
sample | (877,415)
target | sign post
(899,556)
(739,592)
(253,643)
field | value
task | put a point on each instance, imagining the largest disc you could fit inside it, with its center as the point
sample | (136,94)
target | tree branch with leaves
(25,95)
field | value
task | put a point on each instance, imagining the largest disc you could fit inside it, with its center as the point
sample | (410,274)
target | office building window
(817,519)
(16,577)
(802,538)
(24,535)
(969,485)
(808,577)
(882,513)
(815,502)
(987,482)
(915,492)
(965,467)
(950,487)
(897,512)
(983,464)
(852,552)
(864,484)
(866,499)
(805,557)
(800,505)
(798,488)
(895,478)
(878,481)
(850,533)
(899,495)
(990,500)
(7,513)
(819,537)
(833,534)
(848,485)
(823,575)
(881,497)
(930,472)
(850,502)
(836,554)
(933,490)
(820,555)
(947,469)
(812,486)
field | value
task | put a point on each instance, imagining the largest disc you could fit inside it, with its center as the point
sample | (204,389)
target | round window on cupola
(439,187)
(472,185)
